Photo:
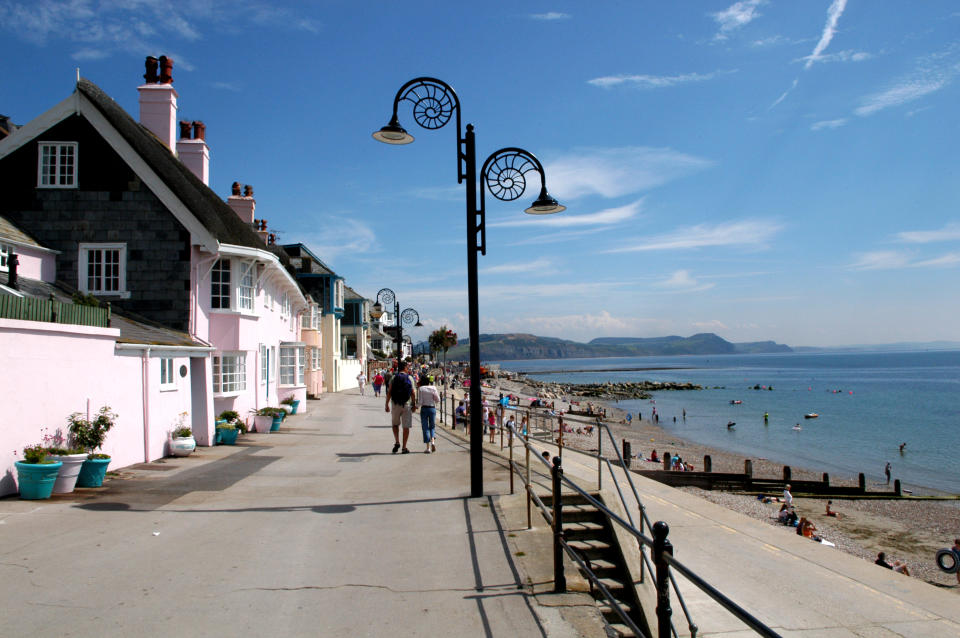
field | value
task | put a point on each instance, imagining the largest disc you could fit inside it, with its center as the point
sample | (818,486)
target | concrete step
(591,549)
(621,631)
(584,530)
(581,512)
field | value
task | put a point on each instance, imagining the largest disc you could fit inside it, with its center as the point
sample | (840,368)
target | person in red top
(377,384)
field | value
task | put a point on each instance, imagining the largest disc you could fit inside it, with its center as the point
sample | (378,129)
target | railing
(660,546)
(50,311)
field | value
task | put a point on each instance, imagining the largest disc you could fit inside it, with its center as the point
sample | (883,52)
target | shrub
(89,435)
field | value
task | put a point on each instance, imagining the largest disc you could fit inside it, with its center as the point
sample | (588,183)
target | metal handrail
(664,556)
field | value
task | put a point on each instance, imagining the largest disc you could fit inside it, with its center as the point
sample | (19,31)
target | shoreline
(906,529)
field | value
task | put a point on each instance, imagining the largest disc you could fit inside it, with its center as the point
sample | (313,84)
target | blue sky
(761,169)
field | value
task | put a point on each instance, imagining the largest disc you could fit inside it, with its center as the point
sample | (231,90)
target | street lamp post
(503,173)
(408,316)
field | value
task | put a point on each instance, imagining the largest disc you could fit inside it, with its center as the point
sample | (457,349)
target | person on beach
(546,457)
(882,561)
(787,496)
(801,525)
(361,381)
(900,566)
(377,384)
(831,512)
(903,446)
(428,397)
(402,395)
(654,458)
(886,471)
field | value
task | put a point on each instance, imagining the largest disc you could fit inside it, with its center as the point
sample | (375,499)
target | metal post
(661,548)
(559,579)
(526,438)
(476,427)
(510,439)
(600,456)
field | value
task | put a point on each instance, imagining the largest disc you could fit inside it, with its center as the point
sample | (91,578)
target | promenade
(317,530)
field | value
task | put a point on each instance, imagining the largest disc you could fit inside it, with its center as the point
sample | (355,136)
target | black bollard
(707,463)
(559,578)
(661,548)
(626,453)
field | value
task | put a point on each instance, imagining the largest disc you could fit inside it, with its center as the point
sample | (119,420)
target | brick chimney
(243,205)
(158,100)
(193,150)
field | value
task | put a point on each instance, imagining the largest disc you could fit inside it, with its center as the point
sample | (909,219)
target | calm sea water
(869,403)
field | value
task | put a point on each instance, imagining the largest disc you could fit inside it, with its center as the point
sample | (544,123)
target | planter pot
(182,445)
(67,477)
(295,406)
(286,407)
(262,422)
(275,424)
(227,436)
(36,480)
(92,473)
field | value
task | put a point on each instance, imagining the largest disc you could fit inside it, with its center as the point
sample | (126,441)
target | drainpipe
(146,404)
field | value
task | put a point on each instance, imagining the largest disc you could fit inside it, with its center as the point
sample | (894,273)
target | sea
(869,403)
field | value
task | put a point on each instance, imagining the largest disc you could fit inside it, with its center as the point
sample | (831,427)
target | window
(285,305)
(102,269)
(352,316)
(167,380)
(292,361)
(338,291)
(264,364)
(57,165)
(5,251)
(315,358)
(350,346)
(230,373)
(246,292)
(314,320)
(220,285)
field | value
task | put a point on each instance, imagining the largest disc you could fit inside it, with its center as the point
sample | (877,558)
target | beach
(909,530)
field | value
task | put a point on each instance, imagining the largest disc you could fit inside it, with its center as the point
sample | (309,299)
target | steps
(590,534)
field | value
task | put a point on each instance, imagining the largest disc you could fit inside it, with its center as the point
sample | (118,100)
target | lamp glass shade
(545,205)
(393,134)
(418,324)
(377,310)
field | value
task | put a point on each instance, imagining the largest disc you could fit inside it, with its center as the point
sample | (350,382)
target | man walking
(361,381)
(401,393)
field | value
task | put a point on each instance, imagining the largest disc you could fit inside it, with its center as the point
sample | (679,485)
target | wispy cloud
(932,74)
(580,327)
(839,56)
(614,172)
(226,86)
(651,81)
(440,193)
(897,260)
(950,232)
(816,126)
(550,15)
(748,232)
(784,95)
(681,281)
(736,16)
(337,236)
(608,217)
(540,239)
(829,30)
(538,265)
(950,259)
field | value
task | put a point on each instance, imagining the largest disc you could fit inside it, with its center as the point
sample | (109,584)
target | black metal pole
(476,398)
(396,319)
(559,578)
(662,547)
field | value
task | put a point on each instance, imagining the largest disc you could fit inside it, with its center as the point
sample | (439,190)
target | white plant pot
(262,423)
(182,445)
(67,477)
(287,408)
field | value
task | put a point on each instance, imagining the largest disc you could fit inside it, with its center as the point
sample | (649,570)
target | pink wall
(34,263)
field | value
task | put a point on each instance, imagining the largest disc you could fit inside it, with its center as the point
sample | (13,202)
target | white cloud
(550,15)
(829,30)
(336,236)
(816,126)
(906,90)
(713,325)
(736,16)
(784,95)
(950,232)
(614,172)
(579,327)
(539,265)
(453,193)
(651,81)
(839,56)
(539,239)
(608,217)
(681,281)
(880,260)
(749,232)
(950,259)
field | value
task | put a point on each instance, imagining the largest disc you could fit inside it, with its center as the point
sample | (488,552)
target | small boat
(736,402)
(730,424)
(810,415)
(797,427)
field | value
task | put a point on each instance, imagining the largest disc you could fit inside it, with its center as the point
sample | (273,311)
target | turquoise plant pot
(92,473)
(226,436)
(296,404)
(277,420)
(36,480)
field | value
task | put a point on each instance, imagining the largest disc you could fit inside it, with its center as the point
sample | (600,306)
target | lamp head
(393,133)
(545,205)
(418,324)
(377,310)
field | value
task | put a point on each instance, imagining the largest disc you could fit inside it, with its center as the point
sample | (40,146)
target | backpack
(401,388)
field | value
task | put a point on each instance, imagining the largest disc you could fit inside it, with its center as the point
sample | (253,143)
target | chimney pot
(166,70)
(248,190)
(235,189)
(185,130)
(199,130)
(151,76)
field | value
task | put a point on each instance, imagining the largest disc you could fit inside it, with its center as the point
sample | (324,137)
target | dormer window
(57,165)
(231,290)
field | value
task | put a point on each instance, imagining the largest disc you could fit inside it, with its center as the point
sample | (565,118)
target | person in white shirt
(361,381)
(429,398)
(787,496)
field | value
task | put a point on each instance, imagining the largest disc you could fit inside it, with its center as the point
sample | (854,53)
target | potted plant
(293,403)
(72,458)
(89,435)
(228,428)
(182,442)
(36,473)
(262,419)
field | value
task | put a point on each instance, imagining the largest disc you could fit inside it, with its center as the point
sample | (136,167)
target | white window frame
(246,286)
(338,294)
(264,364)
(314,317)
(5,251)
(83,272)
(237,383)
(216,273)
(168,380)
(62,176)
(292,363)
(315,358)
(284,305)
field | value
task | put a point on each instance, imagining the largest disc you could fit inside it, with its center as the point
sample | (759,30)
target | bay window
(292,362)
(229,372)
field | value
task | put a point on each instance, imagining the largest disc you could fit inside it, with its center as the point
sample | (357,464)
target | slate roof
(298,251)
(12,233)
(350,293)
(215,215)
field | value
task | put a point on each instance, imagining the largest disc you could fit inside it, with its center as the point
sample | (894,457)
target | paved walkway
(317,530)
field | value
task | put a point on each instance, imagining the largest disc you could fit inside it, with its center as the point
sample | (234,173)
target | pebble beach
(910,530)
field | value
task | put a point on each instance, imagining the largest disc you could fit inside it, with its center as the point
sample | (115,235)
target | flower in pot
(227,430)
(262,419)
(182,442)
(293,403)
(71,457)
(37,473)
(89,435)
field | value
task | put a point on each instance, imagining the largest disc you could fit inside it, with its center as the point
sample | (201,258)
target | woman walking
(377,383)
(428,397)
